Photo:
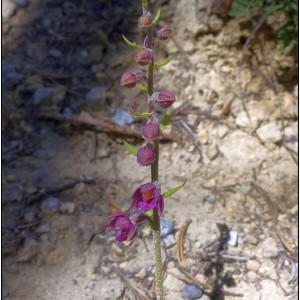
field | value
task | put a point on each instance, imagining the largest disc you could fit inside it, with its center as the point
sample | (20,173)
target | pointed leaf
(166,119)
(133,45)
(133,150)
(145,4)
(156,19)
(140,114)
(173,191)
(163,62)
(142,88)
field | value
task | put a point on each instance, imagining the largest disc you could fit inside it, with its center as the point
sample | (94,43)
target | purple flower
(144,56)
(163,33)
(129,79)
(145,20)
(147,197)
(151,130)
(126,229)
(164,98)
(145,155)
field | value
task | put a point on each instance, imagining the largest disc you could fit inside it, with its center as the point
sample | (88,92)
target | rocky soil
(230,233)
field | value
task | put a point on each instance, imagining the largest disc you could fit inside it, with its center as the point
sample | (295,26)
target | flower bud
(128,79)
(145,20)
(151,130)
(164,98)
(164,33)
(144,56)
(145,155)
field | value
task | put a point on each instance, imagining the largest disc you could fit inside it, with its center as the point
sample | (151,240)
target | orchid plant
(147,200)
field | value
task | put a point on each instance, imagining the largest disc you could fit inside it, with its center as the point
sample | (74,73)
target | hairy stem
(154,177)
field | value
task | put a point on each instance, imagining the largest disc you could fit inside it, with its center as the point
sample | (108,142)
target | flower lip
(148,197)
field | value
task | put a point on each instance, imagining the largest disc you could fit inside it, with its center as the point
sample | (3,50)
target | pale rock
(169,241)
(54,257)
(242,119)
(269,248)
(215,24)
(250,239)
(222,131)
(203,137)
(252,276)
(8,9)
(269,133)
(67,208)
(29,250)
(191,118)
(253,265)
(172,283)
(97,94)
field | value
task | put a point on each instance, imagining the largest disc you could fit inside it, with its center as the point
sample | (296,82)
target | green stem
(154,177)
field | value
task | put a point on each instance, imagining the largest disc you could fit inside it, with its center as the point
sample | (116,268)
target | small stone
(4,293)
(11,178)
(122,117)
(245,189)
(29,250)
(269,248)
(54,257)
(222,131)
(67,208)
(97,94)
(44,228)
(169,241)
(280,175)
(166,228)
(191,292)
(252,276)
(8,9)
(29,216)
(233,236)
(250,239)
(172,283)
(50,205)
(55,53)
(212,152)
(269,133)
(203,136)
(117,250)
(42,94)
(21,3)
(80,188)
(253,265)
(142,273)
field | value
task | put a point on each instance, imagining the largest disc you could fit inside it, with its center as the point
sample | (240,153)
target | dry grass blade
(138,291)
(179,244)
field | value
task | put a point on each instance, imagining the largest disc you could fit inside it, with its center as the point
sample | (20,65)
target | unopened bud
(145,20)
(164,33)
(144,56)
(128,79)
(151,130)
(164,98)
(145,155)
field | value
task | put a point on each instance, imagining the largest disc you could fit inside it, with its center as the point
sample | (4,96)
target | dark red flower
(126,229)
(163,33)
(144,56)
(151,130)
(164,98)
(145,20)
(145,155)
(147,197)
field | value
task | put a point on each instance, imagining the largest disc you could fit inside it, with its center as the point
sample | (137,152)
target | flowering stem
(154,177)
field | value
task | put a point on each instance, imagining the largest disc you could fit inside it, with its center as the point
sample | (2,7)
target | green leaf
(166,119)
(173,191)
(238,12)
(163,62)
(140,114)
(133,150)
(156,19)
(142,88)
(133,45)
